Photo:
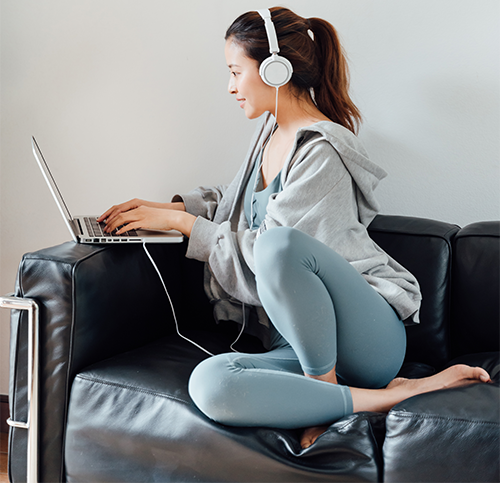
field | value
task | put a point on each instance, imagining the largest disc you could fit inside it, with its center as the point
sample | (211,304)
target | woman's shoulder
(327,136)
(335,134)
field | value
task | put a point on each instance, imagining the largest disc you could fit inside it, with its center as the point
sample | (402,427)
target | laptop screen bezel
(63,208)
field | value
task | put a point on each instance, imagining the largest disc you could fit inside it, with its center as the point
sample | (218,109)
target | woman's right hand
(115,210)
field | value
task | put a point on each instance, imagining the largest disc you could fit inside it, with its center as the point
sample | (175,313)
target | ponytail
(318,60)
(331,93)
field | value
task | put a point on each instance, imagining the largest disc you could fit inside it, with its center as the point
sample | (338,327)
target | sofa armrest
(94,302)
(97,301)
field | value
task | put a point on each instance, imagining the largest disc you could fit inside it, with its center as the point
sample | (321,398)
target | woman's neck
(293,114)
(296,112)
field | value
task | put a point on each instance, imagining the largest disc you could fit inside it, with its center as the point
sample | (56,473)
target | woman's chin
(252,113)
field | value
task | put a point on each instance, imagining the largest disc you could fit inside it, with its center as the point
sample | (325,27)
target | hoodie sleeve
(202,201)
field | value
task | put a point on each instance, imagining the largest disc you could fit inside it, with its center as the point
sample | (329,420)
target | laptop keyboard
(97,229)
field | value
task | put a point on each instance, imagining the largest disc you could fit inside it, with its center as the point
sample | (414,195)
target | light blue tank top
(260,197)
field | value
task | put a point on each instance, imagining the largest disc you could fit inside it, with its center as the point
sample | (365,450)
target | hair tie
(309,31)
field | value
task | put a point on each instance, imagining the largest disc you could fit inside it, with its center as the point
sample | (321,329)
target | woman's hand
(115,210)
(135,214)
(150,218)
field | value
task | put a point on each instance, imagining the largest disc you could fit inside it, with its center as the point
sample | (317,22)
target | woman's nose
(231,87)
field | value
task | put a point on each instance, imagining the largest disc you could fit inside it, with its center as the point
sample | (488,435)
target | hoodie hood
(366,174)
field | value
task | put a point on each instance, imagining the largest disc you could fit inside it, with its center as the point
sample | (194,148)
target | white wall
(129,98)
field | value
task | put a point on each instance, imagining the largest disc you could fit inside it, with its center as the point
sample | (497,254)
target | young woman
(287,251)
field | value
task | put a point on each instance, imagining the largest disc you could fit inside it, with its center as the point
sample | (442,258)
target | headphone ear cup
(276,71)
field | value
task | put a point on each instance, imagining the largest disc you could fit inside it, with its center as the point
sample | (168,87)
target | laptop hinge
(77,226)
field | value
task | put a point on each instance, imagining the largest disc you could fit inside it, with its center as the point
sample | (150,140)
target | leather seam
(447,236)
(74,262)
(73,265)
(133,388)
(434,416)
(363,416)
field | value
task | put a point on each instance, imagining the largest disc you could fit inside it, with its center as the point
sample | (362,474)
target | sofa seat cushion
(447,435)
(130,418)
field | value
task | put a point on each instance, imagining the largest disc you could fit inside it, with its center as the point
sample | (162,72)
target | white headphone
(276,70)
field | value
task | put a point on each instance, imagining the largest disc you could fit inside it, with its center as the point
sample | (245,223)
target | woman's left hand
(150,218)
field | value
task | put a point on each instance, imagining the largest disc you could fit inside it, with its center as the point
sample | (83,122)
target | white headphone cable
(262,157)
(173,311)
(242,329)
(171,304)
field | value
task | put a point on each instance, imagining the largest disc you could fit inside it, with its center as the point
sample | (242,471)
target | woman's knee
(277,247)
(213,386)
(203,383)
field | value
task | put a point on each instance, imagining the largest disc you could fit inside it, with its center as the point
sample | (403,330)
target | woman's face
(254,96)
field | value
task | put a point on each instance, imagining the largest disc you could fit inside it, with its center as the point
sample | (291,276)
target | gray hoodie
(327,192)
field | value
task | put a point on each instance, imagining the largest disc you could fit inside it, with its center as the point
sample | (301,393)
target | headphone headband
(275,71)
(270,30)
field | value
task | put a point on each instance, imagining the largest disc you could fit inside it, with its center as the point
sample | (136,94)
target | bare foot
(382,400)
(454,376)
(310,435)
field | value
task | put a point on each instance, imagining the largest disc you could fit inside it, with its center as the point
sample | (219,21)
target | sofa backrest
(476,289)
(424,247)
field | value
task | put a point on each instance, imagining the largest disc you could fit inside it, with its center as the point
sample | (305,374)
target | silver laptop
(86,229)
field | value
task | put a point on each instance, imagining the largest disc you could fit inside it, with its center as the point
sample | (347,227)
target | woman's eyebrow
(233,65)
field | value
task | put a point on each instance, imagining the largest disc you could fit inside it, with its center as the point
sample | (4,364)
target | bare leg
(382,400)
(399,389)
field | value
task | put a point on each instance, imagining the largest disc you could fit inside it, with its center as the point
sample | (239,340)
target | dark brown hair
(319,64)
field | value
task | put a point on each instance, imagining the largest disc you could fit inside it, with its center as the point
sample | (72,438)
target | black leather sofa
(113,373)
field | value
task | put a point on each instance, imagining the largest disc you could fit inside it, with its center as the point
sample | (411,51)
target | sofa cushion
(447,435)
(424,248)
(130,418)
(476,287)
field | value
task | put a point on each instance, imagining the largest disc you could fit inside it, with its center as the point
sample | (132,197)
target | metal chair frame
(31,425)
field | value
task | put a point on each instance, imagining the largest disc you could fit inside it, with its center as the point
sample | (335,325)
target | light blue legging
(325,315)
